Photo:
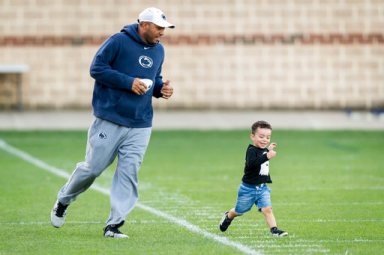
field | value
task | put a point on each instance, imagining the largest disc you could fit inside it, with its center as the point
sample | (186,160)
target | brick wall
(243,54)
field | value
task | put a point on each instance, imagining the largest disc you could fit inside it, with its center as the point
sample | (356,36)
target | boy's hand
(271,153)
(272,146)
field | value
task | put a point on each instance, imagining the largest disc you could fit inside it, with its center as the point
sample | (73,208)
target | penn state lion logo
(145,61)
(103,135)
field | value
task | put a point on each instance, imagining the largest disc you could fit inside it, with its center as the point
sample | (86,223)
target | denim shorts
(248,195)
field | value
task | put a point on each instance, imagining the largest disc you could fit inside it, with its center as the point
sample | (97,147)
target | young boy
(254,189)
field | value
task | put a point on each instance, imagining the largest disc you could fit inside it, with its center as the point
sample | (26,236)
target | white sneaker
(278,232)
(114,232)
(58,214)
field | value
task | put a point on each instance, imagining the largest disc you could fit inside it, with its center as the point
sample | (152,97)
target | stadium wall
(243,54)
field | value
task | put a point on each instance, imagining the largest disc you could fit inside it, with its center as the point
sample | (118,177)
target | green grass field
(328,193)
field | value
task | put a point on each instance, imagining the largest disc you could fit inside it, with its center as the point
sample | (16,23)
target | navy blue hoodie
(122,58)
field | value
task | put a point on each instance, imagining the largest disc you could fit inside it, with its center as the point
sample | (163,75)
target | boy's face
(261,138)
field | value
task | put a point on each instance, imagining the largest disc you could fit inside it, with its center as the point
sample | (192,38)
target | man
(124,69)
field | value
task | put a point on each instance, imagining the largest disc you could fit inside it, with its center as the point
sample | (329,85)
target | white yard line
(61,173)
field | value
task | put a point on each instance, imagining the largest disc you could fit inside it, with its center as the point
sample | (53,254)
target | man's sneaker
(277,232)
(113,231)
(58,214)
(225,222)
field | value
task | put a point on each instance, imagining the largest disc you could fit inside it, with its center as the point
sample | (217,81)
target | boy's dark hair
(260,124)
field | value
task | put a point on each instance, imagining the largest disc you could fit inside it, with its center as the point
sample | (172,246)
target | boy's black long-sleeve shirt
(256,170)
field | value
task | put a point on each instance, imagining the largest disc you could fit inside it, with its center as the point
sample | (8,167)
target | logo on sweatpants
(103,135)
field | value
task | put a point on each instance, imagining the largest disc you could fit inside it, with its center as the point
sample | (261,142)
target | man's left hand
(167,90)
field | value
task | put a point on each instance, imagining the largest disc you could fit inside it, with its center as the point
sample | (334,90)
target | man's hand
(138,87)
(166,90)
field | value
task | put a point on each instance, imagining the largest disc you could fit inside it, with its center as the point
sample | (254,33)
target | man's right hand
(138,87)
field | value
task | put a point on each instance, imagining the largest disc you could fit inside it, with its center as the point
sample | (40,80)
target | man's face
(262,137)
(152,32)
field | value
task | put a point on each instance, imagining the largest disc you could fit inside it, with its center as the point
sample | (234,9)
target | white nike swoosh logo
(146,48)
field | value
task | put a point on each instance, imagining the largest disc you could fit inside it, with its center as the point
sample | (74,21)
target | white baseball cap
(156,16)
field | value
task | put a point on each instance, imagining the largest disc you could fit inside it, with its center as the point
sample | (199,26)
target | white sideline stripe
(61,173)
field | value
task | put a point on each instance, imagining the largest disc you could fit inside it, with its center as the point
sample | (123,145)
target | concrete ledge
(203,120)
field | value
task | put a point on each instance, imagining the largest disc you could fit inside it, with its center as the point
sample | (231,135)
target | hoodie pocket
(107,98)
(134,106)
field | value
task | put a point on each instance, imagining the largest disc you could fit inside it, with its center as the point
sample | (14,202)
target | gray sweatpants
(107,140)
